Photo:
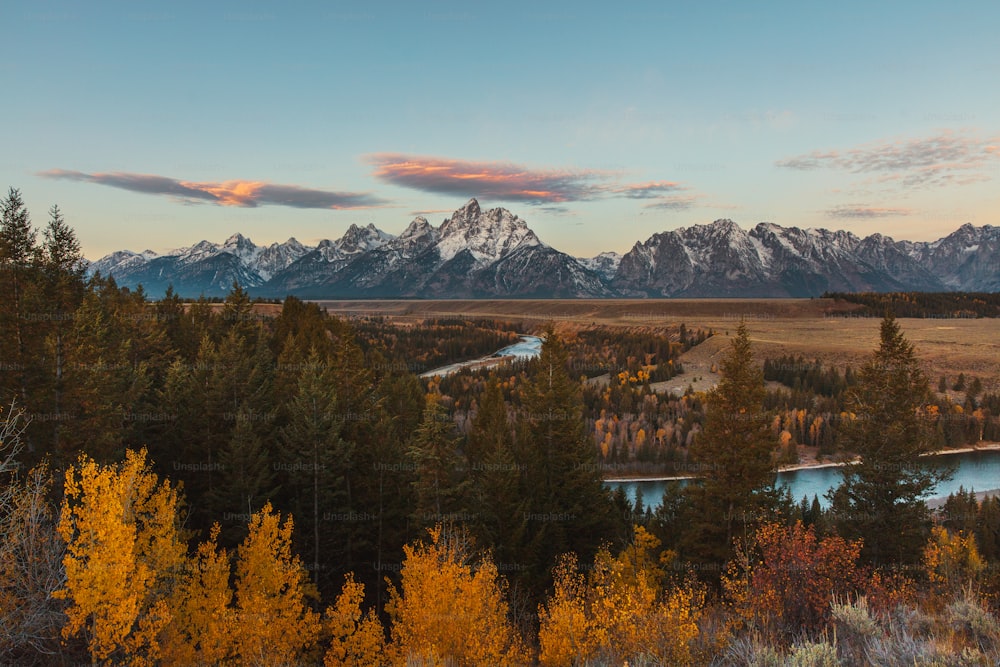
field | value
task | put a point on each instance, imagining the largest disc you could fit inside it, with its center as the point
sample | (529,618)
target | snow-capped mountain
(474,253)
(968,259)
(493,253)
(605,264)
(204,268)
(721,259)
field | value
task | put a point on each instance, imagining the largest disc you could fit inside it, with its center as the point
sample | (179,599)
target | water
(975,470)
(527,348)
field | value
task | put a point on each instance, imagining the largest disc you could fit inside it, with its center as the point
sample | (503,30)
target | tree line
(921,304)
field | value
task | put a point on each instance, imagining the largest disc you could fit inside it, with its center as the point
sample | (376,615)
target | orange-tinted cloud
(945,159)
(227,193)
(497,180)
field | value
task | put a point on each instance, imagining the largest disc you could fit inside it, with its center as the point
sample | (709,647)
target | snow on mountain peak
(487,235)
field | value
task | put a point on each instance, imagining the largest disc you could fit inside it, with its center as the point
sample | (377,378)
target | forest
(221,483)
(921,304)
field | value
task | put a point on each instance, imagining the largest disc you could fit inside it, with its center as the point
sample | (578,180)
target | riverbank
(980,447)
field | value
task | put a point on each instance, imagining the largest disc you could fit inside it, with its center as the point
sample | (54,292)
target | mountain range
(494,254)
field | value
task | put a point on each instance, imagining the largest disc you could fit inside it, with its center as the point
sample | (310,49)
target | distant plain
(812,328)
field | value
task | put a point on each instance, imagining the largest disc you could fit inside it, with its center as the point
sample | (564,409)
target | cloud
(246,194)
(431,211)
(945,159)
(677,203)
(510,182)
(648,190)
(866,212)
(495,180)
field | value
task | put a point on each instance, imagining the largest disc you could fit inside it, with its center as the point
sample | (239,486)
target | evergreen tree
(881,497)
(568,508)
(247,480)
(497,508)
(19,256)
(318,464)
(62,293)
(988,528)
(441,481)
(734,452)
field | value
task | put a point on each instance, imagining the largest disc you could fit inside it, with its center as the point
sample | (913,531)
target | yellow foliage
(567,633)
(275,625)
(952,559)
(120,525)
(357,639)
(448,611)
(204,624)
(622,613)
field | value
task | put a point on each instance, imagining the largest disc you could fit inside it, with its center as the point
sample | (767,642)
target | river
(978,470)
(527,348)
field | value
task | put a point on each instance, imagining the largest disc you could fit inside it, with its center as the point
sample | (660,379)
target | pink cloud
(497,180)
(226,193)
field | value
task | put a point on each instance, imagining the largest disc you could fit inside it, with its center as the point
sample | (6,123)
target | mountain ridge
(493,253)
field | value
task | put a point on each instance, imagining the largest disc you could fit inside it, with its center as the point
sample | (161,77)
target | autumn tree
(622,612)
(785,578)
(451,608)
(203,627)
(276,624)
(124,547)
(951,560)
(881,497)
(734,453)
(357,639)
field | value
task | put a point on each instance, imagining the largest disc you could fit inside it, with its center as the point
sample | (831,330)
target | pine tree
(881,497)
(318,462)
(18,260)
(247,478)
(497,508)
(734,453)
(440,485)
(568,508)
(62,290)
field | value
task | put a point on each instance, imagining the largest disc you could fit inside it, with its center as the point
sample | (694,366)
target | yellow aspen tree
(203,624)
(275,624)
(622,614)
(952,560)
(447,611)
(123,550)
(358,639)
(566,635)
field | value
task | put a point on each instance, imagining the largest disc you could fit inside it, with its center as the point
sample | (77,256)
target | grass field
(813,328)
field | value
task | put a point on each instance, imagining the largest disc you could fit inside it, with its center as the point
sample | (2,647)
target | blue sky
(158,125)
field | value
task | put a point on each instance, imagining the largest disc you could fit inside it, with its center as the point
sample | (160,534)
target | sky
(157,125)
